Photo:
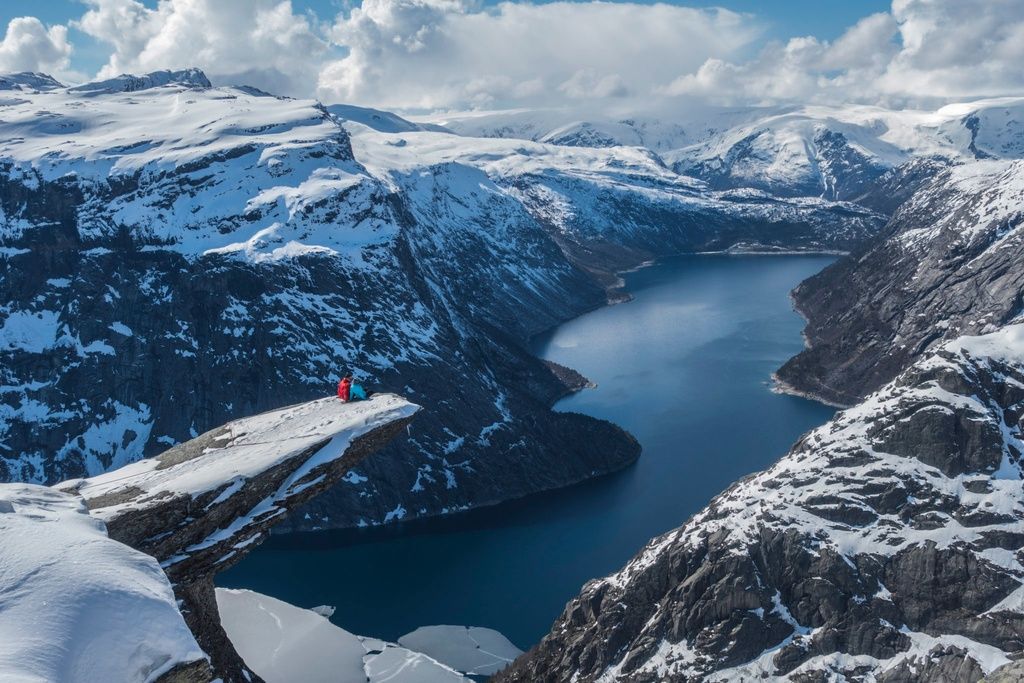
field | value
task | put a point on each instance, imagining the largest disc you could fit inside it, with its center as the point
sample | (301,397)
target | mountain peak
(189,78)
(29,80)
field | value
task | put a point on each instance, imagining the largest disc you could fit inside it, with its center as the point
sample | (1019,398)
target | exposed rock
(203,505)
(823,567)
(950,266)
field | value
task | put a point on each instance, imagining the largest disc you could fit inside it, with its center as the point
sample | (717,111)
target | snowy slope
(78,607)
(885,545)
(383,121)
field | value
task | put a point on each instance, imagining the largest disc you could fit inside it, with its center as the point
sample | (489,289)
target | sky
(600,56)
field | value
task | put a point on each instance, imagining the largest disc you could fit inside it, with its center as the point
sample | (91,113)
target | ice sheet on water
(470,649)
(283,643)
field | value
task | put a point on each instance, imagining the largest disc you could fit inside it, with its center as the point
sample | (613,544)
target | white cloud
(958,48)
(803,69)
(447,53)
(923,52)
(257,42)
(587,55)
(28,45)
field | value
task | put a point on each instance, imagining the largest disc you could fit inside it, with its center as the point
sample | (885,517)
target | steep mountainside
(173,256)
(951,265)
(884,547)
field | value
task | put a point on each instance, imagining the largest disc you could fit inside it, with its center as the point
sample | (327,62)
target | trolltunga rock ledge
(201,506)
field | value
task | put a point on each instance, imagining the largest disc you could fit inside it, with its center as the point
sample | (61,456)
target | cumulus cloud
(802,69)
(28,45)
(257,42)
(958,48)
(448,53)
(590,55)
(921,52)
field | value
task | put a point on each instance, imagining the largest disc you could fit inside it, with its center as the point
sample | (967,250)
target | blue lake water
(685,367)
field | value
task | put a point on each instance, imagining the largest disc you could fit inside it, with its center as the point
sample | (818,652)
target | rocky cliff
(201,506)
(885,546)
(110,578)
(950,265)
(173,256)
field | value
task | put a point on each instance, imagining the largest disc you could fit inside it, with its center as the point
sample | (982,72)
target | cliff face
(885,546)
(201,506)
(950,265)
(159,280)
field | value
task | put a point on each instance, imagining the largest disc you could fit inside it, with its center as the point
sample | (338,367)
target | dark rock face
(950,265)
(884,545)
(203,505)
(156,288)
(182,345)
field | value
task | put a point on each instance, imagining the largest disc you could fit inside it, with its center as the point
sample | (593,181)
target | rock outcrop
(885,546)
(201,506)
(950,265)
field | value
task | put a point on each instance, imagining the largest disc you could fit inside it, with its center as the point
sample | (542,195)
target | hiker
(348,390)
(345,387)
(358,393)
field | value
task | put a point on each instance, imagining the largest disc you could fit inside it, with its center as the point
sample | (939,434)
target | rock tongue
(899,563)
(206,503)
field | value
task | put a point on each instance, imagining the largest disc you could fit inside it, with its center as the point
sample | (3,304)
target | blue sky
(782,19)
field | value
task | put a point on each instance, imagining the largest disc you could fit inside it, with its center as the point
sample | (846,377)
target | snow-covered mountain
(950,265)
(884,547)
(841,152)
(815,151)
(174,255)
(571,128)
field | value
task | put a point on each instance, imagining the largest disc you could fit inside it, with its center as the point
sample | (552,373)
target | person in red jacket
(345,387)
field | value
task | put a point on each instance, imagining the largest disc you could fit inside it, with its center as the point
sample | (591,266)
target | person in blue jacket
(358,393)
